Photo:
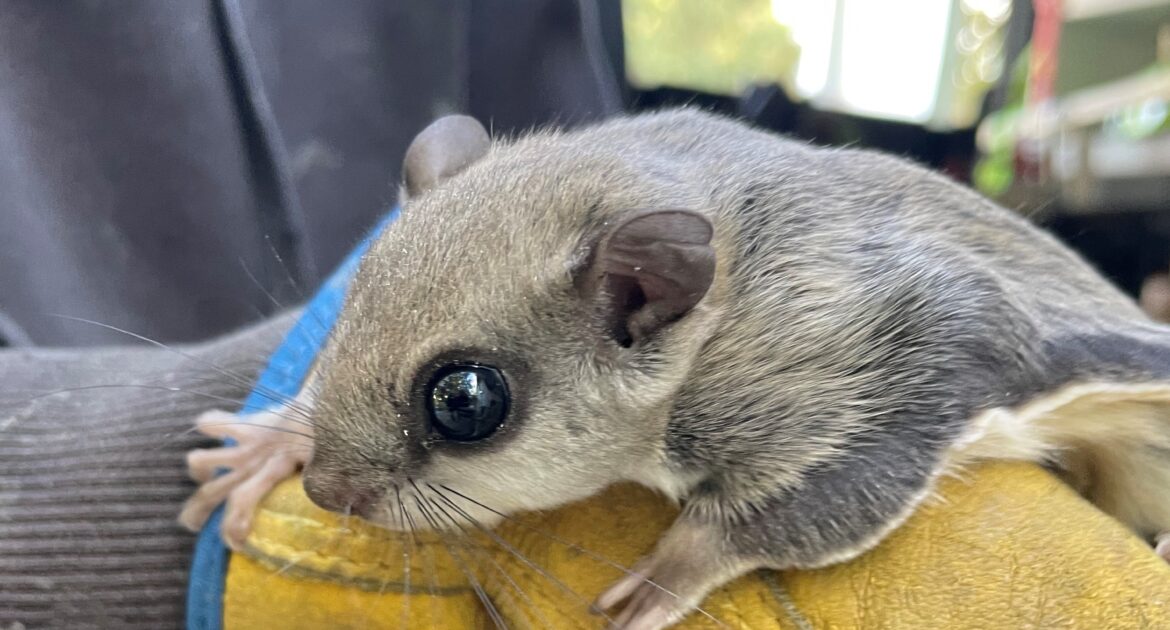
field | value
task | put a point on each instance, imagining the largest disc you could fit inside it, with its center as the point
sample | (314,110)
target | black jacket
(157,158)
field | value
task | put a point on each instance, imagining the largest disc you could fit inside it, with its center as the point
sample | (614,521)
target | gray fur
(863,311)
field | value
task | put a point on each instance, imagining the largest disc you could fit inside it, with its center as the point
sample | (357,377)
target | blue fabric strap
(281,379)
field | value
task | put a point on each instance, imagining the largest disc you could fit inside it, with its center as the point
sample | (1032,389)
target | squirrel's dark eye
(467,402)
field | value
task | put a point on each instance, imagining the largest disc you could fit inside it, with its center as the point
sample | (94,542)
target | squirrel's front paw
(270,446)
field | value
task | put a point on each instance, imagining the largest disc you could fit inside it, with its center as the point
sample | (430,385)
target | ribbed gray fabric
(92,476)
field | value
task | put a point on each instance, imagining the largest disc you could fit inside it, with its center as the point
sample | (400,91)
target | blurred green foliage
(994,172)
(714,46)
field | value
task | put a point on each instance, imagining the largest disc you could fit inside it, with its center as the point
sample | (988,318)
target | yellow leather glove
(1009,546)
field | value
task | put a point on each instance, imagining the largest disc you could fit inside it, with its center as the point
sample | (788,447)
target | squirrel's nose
(340,494)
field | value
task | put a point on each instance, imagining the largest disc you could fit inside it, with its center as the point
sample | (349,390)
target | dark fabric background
(157,157)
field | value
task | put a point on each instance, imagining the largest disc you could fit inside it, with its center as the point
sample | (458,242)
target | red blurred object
(1045,46)
(1030,163)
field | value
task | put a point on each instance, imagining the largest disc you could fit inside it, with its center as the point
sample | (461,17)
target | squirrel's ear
(444,148)
(649,270)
